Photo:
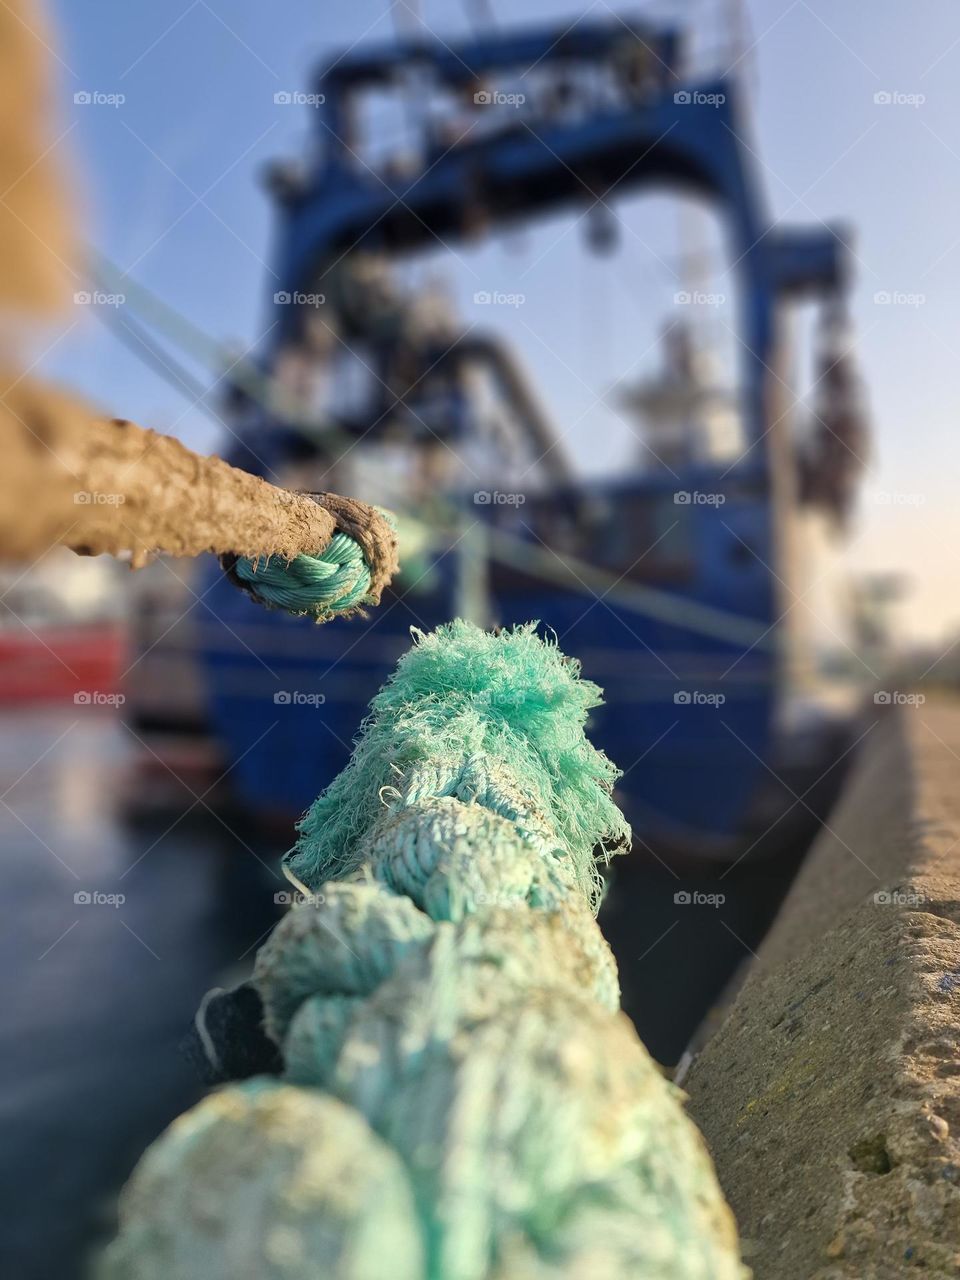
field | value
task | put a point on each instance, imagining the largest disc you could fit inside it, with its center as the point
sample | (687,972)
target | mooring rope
(338,580)
(320,586)
(461,1098)
(334,582)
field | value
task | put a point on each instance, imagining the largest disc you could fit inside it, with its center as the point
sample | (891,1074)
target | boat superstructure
(670,581)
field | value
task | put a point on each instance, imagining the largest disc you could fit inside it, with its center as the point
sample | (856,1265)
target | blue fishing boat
(672,582)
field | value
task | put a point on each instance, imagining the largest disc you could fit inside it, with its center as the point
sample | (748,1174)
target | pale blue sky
(170,183)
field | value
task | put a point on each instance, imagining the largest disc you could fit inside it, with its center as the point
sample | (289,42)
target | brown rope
(101,486)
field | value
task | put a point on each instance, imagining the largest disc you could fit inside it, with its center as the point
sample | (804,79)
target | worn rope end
(459,691)
(344,578)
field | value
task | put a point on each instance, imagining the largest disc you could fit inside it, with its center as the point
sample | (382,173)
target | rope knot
(349,573)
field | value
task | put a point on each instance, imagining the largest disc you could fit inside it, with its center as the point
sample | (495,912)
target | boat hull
(687,716)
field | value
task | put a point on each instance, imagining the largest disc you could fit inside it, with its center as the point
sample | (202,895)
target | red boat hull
(83,663)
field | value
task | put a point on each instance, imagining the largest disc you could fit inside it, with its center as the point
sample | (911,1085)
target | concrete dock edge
(830,1097)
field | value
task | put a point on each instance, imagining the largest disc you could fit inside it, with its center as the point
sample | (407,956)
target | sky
(855,116)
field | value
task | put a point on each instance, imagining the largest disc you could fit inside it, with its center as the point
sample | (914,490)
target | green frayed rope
(461,1097)
(460,696)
